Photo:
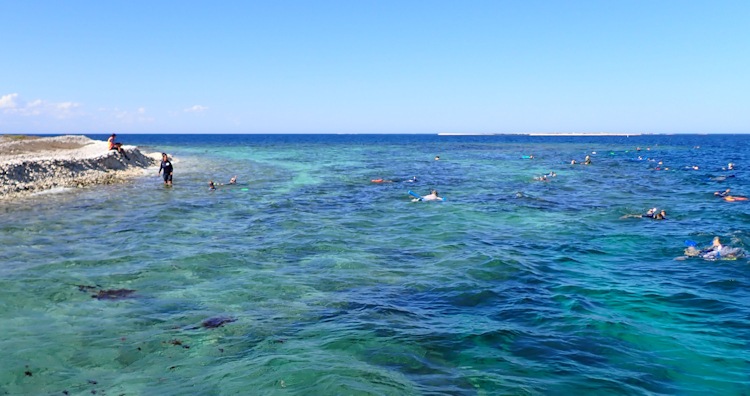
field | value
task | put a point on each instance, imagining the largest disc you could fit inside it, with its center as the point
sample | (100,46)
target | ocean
(307,278)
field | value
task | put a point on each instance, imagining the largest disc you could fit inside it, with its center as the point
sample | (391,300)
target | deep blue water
(343,286)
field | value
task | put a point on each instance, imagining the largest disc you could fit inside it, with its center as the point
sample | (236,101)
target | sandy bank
(32,164)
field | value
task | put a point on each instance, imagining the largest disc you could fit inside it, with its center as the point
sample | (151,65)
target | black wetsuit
(166,166)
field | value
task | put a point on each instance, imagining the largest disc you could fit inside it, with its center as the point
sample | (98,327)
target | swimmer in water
(233,180)
(722,194)
(651,214)
(716,251)
(211,186)
(432,196)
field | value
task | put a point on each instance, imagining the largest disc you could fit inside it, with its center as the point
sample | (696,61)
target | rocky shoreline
(30,165)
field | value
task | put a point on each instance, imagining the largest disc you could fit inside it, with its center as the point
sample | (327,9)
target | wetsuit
(166,166)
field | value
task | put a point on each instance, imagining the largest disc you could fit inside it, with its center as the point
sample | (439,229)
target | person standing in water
(166,166)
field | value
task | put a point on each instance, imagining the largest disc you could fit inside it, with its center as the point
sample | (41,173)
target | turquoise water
(340,286)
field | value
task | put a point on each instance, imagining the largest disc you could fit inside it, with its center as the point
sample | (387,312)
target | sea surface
(321,282)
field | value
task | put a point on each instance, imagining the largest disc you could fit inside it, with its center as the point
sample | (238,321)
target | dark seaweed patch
(218,321)
(178,343)
(113,294)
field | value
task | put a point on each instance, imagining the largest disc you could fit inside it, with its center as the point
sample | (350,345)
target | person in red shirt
(116,146)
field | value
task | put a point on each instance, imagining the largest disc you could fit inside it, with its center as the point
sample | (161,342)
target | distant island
(544,134)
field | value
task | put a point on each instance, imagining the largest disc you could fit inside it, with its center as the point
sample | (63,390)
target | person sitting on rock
(116,146)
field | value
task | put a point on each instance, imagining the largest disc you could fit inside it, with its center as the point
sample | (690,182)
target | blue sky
(361,66)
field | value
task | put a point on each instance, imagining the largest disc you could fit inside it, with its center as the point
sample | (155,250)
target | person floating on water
(116,146)
(730,198)
(381,180)
(432,196)
(545,177)
(652,213)
(722,194)
(716,251)
(587,160)
(166,166)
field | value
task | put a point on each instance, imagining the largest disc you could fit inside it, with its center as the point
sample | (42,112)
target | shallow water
(343,286)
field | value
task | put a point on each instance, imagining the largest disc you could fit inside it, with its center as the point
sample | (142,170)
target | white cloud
(66,106)
(42,115)
(129,117)
(196,109)
(8,101)
(13,104)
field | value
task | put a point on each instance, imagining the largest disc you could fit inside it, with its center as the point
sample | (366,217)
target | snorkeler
(651,214)
(432,196)
(722,194)
(716,251)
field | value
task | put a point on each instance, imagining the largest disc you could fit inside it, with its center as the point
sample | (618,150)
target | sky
(367,66)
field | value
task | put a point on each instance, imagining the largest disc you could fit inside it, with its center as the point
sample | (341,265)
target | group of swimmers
(714,252)
(545,177)
(586,161)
